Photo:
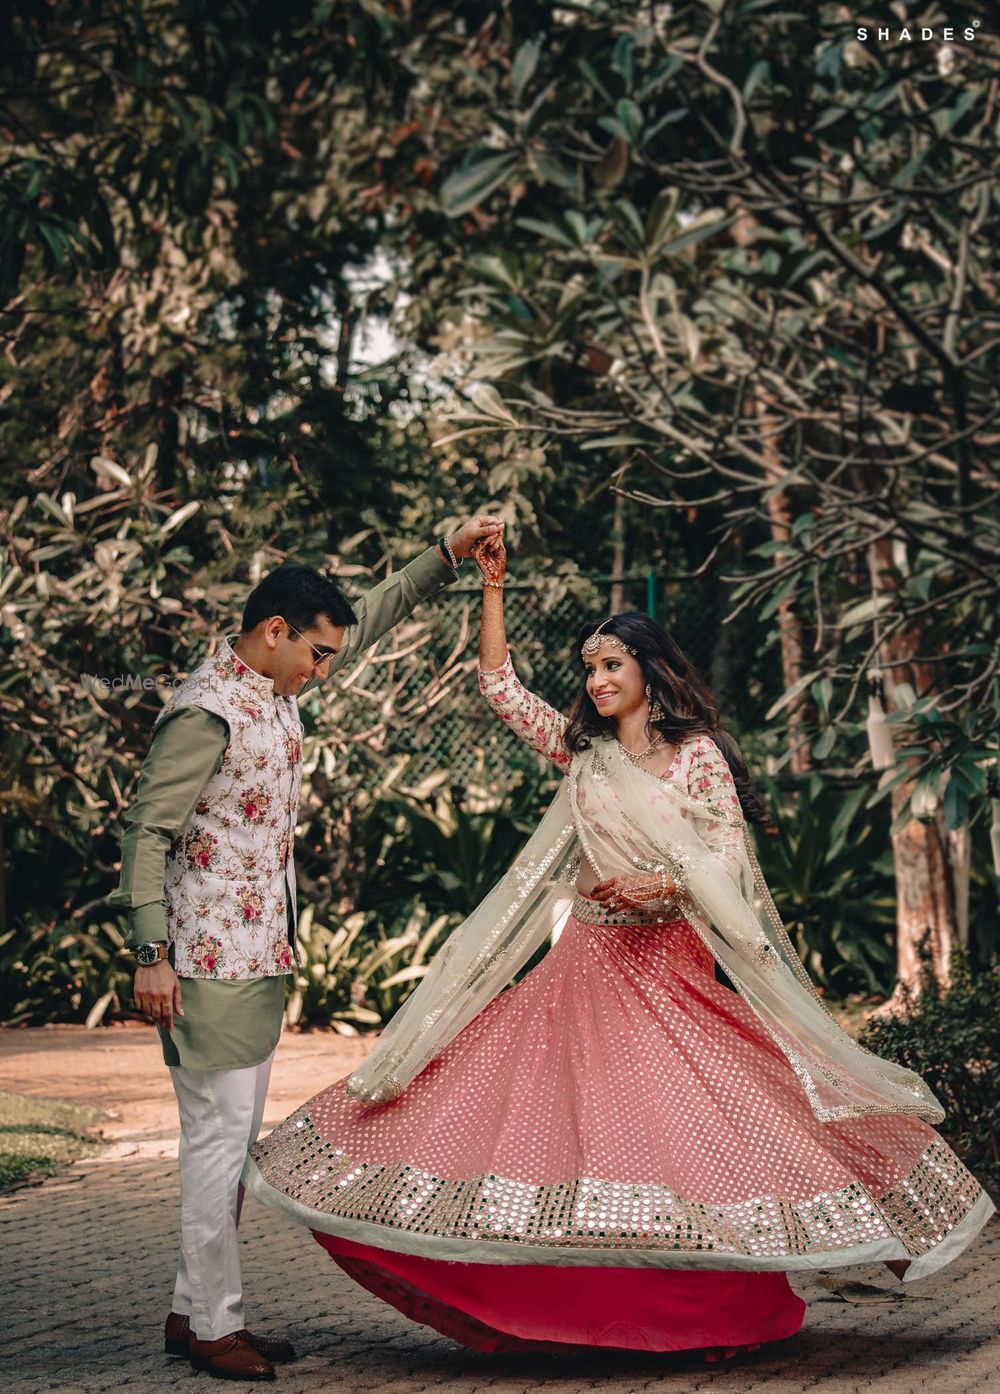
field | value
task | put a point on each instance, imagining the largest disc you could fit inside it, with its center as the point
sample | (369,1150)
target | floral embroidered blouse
(698,767)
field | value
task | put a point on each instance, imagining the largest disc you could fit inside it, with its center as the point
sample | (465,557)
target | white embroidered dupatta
(627,821)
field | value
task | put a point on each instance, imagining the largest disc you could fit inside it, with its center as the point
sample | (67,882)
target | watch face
(147,954)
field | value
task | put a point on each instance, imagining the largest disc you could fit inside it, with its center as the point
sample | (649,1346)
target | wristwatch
(148,954)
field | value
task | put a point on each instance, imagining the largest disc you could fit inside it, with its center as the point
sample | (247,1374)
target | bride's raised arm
(540,725)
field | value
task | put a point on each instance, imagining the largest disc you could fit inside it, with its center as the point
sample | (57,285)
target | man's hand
(475,530)
(632,892)
(157,993)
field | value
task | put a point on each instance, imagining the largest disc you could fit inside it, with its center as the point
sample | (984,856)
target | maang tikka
(591,645)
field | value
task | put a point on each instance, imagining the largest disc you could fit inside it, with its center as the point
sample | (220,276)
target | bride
(619,1151)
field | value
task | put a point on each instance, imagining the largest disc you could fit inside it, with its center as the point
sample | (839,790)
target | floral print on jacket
(228,875)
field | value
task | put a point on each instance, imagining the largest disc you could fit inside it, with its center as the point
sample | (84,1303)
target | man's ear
(271,630)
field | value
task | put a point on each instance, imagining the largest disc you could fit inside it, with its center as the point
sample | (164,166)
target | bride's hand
(491,557)
(633,892)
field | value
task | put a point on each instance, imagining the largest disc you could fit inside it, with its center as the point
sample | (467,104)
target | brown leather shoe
(177,1336)
(231,1357)
(274,1348)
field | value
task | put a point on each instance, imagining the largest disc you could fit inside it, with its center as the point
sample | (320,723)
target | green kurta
(228,1025)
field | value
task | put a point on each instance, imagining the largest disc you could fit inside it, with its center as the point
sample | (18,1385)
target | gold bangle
(494,585)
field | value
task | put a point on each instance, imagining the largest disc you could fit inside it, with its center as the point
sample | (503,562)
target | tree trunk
(618,558)
(791,631)
(790,628)
(931,865)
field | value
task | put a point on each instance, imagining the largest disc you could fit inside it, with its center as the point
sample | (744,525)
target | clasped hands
(491,557)
(477,532)
(634,892)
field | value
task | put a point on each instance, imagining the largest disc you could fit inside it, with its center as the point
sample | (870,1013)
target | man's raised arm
(393,599)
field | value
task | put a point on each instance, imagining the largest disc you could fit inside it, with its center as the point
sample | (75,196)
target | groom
(208,879)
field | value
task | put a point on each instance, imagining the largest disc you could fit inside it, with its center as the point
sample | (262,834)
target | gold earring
(656,712)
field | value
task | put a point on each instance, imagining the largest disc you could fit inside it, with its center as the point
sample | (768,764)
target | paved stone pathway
(87,1260)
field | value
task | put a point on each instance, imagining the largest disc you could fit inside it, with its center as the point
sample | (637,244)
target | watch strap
(162,951)
(444,544)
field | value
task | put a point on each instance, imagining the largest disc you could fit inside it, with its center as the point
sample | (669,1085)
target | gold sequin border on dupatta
(605,1219)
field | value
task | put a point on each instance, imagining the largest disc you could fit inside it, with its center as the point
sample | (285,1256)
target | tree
(673,222)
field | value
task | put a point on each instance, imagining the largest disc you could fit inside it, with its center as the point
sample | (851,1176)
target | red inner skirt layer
(529,1307)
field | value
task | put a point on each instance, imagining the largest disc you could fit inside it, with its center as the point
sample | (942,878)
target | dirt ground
(120,1070)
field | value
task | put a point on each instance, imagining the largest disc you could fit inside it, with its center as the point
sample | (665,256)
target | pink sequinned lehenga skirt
(613,1153)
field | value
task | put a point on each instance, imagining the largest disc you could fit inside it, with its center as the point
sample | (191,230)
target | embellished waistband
(593,912)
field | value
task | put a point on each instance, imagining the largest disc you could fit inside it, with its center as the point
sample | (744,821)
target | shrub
(951,1037)
(829,867)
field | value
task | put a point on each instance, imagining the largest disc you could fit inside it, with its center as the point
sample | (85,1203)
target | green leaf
(883,230)
(488,400)
(623,60)
(756,75)
(822,692)
(845,815)
(472,185)
(500,268)
(523,69)
(607,442)
(955,805)
(903,177)
(578,224)
(630,116)
(55,242)
(973,93)
(667,119)
(971,778)
(829,118)
(822,747)
(548,230)
(830,63)
(587,69)
(660,218)
(875,101)
(805,266)
(866,610)
(785,591)
(888,780)
(49,505)
(179,517)
(666,70)
(553,171)
(790,694)
(626,216)
(697,234)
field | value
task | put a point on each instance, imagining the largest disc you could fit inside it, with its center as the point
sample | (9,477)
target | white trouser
(221,1113)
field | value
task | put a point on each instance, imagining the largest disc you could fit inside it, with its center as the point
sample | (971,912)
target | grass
(38,1136)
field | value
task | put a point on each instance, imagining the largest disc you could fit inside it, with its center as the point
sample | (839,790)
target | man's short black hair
(299,595)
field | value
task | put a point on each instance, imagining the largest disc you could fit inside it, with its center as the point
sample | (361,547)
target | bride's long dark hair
(689,707)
